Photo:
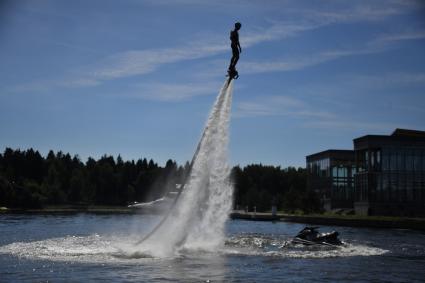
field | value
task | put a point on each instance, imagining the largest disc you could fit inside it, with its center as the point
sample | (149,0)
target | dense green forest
(29,180)
(263,186)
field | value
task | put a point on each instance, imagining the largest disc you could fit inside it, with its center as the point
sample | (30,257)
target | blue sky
(138,78)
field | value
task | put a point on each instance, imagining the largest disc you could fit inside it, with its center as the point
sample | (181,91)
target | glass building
(391,174)
(331,175)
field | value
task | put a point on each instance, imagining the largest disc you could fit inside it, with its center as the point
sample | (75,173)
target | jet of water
(198,217)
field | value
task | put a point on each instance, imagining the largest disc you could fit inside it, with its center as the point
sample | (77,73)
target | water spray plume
(197,216)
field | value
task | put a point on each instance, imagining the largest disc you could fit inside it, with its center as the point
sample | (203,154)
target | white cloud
(302,62)
(388,79)
(172,92)
(380,44)
(305,20)
(139,62)
(341,125)
(254,67)
(44,85)
(309,117)
(412,35)
(279,106)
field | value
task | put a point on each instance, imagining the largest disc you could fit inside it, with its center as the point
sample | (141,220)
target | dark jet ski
(311,236)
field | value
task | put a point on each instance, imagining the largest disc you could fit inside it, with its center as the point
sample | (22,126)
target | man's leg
(231,63)
(234,59)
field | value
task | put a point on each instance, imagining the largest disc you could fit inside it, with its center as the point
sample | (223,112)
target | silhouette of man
(236,47)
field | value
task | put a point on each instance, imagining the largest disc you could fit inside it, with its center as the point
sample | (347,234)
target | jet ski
(311,236)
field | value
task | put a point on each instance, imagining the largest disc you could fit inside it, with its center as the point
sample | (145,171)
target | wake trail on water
(196,220)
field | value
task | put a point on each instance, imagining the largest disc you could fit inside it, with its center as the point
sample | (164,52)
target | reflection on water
(97,247)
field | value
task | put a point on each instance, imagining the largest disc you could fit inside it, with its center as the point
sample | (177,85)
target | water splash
(198,218)
(97,248)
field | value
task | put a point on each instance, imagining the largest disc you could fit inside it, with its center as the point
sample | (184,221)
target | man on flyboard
(236,50)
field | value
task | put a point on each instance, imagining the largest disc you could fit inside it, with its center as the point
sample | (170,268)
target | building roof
(408,133)
(400,137)
(343,154)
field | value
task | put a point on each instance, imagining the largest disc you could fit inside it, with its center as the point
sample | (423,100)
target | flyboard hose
(167,215)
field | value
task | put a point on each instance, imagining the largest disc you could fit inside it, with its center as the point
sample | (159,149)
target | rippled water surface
(90,248)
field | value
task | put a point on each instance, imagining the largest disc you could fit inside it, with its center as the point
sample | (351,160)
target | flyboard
(232,74)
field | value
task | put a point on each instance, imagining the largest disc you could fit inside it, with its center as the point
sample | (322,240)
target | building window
(334,171)
(366,160)
(417,161)
(400,160)
(393,161)
(385,160)
(409,160)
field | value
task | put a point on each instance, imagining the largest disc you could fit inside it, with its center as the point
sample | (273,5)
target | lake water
(90,248)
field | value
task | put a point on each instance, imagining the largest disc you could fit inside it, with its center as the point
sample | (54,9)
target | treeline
(262,186)
(29,180)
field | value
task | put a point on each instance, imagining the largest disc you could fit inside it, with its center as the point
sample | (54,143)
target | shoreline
(71,209)
(382,222)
